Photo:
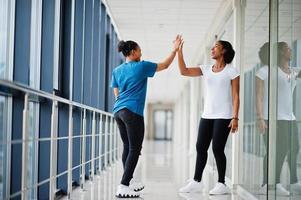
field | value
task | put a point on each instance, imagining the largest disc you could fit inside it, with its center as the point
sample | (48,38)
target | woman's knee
(125,147)
(135,149)
(200,148)
(217,151)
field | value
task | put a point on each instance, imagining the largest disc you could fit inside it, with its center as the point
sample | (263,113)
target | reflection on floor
(162,167)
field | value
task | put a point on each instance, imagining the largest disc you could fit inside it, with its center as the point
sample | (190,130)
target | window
(6,37)
(253,157)
(3,146)
(33,128)
(3,37)
(163,124)
(7,8)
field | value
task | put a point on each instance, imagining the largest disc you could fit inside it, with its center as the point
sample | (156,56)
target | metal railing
(105,153)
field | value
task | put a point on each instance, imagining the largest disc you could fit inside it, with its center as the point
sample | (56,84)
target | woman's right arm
(165,64)
(191,71)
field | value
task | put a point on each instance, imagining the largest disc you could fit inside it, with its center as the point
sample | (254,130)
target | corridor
(163,169)
(59,90)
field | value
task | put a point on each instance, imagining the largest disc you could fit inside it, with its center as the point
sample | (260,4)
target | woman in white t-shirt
(287,140)
(220,114)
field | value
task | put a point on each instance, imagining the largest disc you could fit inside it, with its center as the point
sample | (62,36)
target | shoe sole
(127,196)
(139,189)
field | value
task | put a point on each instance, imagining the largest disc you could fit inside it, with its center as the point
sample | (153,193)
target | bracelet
(235,118)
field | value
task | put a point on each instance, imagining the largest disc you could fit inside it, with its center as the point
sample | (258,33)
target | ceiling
(154,25)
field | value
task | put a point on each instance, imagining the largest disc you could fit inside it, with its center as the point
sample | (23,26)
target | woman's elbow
(183,72)
(166,66)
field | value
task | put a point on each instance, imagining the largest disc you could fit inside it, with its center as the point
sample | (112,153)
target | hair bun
(121,45)
(229,55)
(126,47)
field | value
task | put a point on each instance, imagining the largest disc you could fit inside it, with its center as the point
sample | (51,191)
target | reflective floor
(163,168)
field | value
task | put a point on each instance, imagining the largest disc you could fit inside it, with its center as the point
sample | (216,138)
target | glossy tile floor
(162,168)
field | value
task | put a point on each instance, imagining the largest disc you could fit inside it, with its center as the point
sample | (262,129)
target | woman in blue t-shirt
(129,81)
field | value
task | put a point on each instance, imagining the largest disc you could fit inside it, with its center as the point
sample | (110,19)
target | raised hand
(166,63)
(181,46)
(177,42)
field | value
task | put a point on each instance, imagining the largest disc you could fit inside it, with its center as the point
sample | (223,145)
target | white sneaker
(124,191)
(280,190)
(296,188)
(136,185)
(220,188)
(263,189)
(192,186)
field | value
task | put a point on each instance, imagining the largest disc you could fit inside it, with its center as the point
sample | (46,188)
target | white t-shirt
(286,86)
(218,97)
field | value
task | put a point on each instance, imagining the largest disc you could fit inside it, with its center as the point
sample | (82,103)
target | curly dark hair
(126,47)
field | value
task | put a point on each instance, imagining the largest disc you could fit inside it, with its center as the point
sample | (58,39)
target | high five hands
(177,43)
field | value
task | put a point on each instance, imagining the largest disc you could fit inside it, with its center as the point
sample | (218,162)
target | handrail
(107,155)
(40,93)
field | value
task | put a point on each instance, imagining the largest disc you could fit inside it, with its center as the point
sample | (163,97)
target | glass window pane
(287,164)
(160,123)
(256,54)
(32,148)
(3,145)
(3,37)
(169,124)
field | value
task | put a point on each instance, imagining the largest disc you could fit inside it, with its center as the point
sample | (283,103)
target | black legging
(287,144)
(218,131)
(131,128)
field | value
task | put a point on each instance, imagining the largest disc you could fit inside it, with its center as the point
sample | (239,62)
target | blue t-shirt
(131,80)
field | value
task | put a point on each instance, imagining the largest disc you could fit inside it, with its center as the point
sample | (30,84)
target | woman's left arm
(235,99)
